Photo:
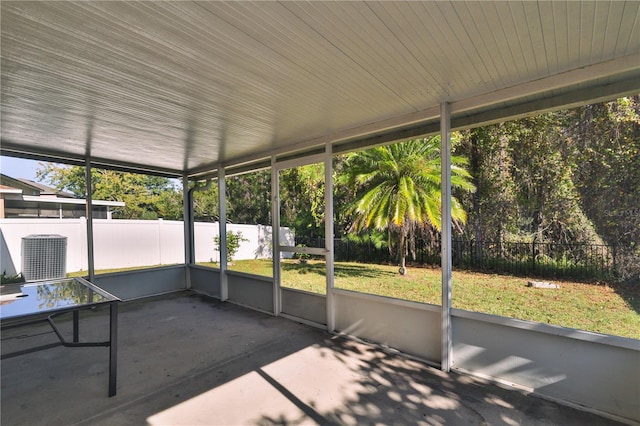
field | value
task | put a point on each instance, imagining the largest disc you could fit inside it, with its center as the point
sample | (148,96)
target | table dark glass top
(48,296)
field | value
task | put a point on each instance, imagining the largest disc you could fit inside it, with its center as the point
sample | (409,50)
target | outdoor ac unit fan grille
(44,257)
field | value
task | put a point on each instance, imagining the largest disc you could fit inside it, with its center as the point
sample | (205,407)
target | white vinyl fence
(128,243)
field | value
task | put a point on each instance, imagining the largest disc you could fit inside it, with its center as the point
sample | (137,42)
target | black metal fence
(583,261)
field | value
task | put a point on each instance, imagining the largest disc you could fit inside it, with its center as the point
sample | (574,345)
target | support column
(445,191)
(328,233)
(88,194)
(222,185)
(113,348)
(275,233)
(187,220)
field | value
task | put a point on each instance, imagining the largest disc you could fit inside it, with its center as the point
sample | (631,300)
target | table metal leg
(113,348)
(76,326)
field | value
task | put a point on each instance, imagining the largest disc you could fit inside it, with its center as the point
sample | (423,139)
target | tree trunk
(475,173)
(402,251)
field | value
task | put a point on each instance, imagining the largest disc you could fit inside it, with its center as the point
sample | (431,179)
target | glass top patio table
(26,303)
(24,300)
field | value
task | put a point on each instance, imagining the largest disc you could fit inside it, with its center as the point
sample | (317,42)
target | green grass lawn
(609,309)
(108,271)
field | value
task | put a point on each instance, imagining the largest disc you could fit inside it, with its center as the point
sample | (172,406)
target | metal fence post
(615,262)
(533,255)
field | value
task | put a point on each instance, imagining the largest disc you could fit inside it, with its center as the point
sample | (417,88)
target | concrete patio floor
(184,359)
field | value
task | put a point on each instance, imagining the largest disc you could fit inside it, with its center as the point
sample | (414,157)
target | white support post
(328,235)
(445,161)
(275,234)
(187,220)
(224,283)
(88,193)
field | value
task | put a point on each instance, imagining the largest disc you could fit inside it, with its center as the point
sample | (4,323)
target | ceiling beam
(618,66)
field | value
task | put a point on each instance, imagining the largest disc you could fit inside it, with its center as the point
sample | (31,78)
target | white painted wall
(411,327)
(128,243)
(592,370)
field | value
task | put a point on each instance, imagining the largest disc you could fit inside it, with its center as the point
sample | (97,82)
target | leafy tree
(400,189)
(169,205)
(568,177)
(544,190)
(205,204)
(249,198)
(493,202)
(145,196)
(302,200)
(605,142)
(523,171)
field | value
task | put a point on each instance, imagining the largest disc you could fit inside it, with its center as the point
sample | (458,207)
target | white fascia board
(57,200)
(10,191)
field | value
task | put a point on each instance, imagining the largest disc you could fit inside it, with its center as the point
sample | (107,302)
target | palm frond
(404,182)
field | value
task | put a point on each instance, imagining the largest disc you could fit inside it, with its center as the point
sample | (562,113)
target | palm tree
(400,188)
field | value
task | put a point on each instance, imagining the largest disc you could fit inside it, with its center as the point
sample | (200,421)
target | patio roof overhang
(186,87)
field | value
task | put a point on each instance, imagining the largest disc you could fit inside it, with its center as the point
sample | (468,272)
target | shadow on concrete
(392,389)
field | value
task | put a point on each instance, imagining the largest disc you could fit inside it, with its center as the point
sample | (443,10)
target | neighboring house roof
(28,190)
(30,187)
(17,184)
(45,189)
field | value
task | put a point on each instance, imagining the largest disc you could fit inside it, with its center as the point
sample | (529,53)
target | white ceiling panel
(185,86)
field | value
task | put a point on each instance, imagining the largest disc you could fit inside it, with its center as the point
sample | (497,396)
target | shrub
(234,239)
(9,279)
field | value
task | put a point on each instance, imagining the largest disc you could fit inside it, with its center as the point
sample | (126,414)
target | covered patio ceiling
(186,87)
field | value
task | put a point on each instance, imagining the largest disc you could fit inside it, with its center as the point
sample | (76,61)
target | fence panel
(123,243)
(127,243)
(13,230)
(583,261)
